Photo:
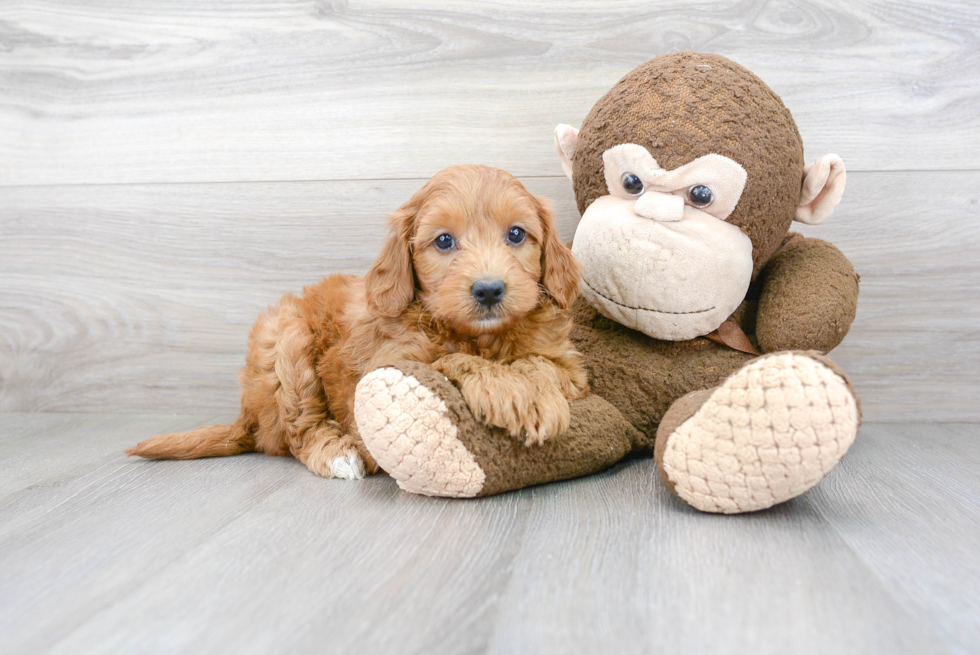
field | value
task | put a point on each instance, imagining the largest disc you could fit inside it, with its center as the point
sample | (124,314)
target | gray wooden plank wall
(168,169)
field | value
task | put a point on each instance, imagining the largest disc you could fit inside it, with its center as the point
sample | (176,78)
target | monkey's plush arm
(642,376)
(809,297)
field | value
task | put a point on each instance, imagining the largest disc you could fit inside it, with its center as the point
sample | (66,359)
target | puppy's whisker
(428,323)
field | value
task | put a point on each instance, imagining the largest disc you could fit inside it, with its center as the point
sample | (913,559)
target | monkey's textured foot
(771,431)
(420,430)
(411,433)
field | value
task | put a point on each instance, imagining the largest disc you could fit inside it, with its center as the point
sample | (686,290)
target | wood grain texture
(134,298)
(897,502)
(195,91)
(253,554)
(914,348)
(139,298)
(781,581)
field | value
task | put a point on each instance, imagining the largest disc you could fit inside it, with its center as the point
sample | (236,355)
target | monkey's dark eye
(632,184)
(445,242)
(516,235)
(700,195)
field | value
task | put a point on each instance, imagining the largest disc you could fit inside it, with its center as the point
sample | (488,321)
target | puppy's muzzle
(488,292)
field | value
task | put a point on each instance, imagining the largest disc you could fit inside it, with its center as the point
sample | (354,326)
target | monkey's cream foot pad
(771,431)
(408,430)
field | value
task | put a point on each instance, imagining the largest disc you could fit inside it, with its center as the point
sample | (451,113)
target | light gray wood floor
(253,554)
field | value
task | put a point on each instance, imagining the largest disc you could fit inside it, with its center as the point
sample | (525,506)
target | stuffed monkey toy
(703,321)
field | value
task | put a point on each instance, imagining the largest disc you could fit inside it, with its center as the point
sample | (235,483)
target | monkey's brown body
(641,377)
(688,174)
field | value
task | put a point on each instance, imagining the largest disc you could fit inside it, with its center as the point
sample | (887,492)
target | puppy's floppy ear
(390,283)
(559,268)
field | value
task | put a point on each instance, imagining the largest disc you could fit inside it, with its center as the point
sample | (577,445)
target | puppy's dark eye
(516,236)
(445,242)
(632,184)
(700,195)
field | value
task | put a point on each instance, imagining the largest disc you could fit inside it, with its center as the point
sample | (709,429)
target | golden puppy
(472,279)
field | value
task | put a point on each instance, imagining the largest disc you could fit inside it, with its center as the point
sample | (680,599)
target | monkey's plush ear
(566,138)
(390,283)
(559,268)
(823,186)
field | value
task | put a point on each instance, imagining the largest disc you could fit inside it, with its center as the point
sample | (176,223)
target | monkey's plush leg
(768,433)
(421,431)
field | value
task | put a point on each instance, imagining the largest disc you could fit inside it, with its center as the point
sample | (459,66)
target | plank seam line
(389,179)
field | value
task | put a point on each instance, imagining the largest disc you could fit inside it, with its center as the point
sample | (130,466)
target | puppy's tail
(209,441)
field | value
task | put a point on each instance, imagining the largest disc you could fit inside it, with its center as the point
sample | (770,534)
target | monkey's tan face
(656,253)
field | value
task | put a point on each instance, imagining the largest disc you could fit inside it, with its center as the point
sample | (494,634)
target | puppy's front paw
(548,417)
(497,405)
(534,415)
(516,397)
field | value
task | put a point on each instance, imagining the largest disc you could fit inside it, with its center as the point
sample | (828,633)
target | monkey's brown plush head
(688,174)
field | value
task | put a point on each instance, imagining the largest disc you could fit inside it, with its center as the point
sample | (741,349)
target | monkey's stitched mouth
(642,309)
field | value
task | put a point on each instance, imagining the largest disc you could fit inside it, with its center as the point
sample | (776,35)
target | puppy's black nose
(488,292)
